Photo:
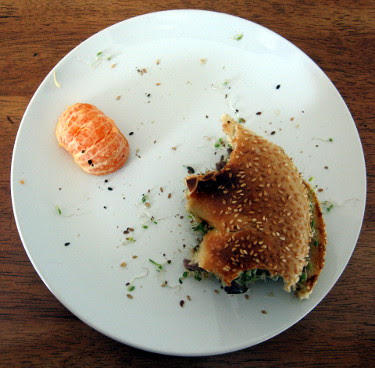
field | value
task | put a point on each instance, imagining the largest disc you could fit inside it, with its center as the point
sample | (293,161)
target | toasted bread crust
(258,206)
(317,249)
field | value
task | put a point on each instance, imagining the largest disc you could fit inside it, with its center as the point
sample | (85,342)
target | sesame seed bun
(259,208)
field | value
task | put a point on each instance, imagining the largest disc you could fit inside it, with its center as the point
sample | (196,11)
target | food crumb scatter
(216,291)
(188,297)
(113,66)
(118,98)
(238,37)
(203,61)
(57,84)
(22,181)
(190,170)
(142,71)
(123,264)
(157,62)
(247,297)
(264,311)
(129,296)
(170,195)
(174,148)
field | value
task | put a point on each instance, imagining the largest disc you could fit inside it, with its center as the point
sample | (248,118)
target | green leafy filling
(247,278)
(203,227)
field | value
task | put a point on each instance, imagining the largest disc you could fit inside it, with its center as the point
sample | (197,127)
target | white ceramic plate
(195,70)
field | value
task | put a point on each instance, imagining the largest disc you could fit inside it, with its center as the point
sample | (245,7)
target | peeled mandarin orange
(92,138)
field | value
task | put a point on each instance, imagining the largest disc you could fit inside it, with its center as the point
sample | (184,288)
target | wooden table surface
(37,331)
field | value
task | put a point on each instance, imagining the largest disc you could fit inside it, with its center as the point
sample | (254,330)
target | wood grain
(37,331)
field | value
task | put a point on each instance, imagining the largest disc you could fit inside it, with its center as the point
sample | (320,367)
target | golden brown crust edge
(317,249)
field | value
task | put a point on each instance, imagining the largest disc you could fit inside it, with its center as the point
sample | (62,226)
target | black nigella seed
(131,133)
(110,188)
(106,181)
(259,113)
(273,132)
(278,86)
(89,162)
(66,244)
(83,151)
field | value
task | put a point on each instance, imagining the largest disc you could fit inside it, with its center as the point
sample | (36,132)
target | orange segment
(92,138)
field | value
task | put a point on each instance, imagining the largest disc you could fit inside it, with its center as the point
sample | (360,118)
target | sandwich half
(261,219)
